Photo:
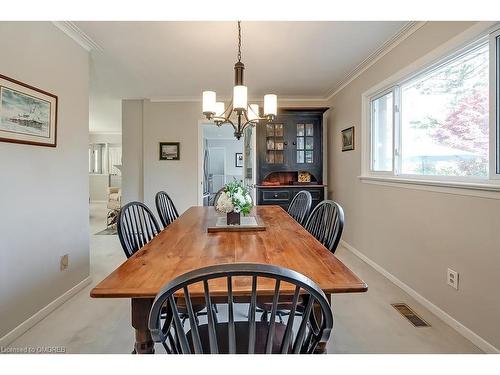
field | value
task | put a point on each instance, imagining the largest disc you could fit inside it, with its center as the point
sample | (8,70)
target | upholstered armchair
(114,205)
(114,198)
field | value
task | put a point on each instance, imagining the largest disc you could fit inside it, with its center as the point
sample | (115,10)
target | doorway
(220,156)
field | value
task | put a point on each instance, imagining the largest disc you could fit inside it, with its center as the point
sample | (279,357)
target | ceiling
(178,60)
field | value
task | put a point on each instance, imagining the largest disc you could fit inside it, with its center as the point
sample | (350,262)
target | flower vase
(233,218)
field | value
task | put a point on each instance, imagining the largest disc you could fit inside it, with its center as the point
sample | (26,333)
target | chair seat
(283,305)
(183,309)
(241,333)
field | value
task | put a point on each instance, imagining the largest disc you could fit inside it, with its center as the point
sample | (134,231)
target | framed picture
(27,115)
(348,139)
(169,150)
(238,159)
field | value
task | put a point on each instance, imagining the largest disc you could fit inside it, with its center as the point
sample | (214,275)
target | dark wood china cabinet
(289,153)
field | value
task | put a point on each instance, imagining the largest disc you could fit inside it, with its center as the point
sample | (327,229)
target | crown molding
(104,132)
(75,33)
(178,99)
(385,48)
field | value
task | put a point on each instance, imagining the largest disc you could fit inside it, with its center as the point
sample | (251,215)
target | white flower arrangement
(235,197)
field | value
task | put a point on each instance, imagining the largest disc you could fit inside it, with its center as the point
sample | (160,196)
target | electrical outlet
(63,264)
(452,278)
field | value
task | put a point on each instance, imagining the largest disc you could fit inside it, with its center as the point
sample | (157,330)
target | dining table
(186,244)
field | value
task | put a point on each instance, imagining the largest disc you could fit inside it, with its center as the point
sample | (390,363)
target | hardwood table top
(186,245)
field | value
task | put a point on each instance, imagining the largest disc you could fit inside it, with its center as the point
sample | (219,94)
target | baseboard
(38,316)
(448,319)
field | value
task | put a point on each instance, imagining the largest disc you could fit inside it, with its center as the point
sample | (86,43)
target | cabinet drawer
(316,194)
(276,195)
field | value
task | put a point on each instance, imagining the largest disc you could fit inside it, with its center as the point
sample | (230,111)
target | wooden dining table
(186,245)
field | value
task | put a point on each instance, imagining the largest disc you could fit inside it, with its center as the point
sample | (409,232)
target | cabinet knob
(285,143)
(275,195)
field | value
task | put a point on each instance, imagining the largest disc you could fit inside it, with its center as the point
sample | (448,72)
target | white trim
(481,190)
(445,317)
(75,33)
(387,47)
(326,114)
(493,103)
(200,161)
(38,316)
(103,132)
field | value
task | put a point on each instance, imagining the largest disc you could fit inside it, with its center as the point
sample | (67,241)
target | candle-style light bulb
(209,102)
(240,98)
(270,105)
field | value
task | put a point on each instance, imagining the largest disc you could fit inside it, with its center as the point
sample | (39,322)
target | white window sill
(484,190)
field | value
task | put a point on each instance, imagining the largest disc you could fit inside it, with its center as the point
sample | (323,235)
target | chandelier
(239,113)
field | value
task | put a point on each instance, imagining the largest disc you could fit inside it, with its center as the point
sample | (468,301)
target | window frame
(432,61)
(371,132)
(494,44)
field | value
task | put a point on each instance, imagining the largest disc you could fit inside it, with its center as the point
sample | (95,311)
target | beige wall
(416,235)
(171,122)
(43,190)
(132,171)
(145,124)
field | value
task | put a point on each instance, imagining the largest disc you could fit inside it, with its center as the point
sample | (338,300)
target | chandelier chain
(239,41)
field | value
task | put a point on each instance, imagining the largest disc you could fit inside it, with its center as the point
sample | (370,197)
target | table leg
(140,314)
(321,348)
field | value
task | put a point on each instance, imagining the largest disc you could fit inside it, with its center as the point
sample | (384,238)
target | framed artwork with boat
(27,114)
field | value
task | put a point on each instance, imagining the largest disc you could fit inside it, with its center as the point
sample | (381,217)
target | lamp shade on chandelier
(239,113)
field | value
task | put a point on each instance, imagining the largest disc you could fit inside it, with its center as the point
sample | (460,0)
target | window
(435,124)
(104,157)
(114,159)
(96,152)
(445,118)
(382,132)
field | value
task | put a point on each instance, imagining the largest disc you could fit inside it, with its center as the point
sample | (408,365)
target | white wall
(105,113)
(104,137)
(98,187)
(416,235)
(231,147)
(43,190)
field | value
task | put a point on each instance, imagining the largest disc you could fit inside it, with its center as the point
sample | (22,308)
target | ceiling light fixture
(239,113)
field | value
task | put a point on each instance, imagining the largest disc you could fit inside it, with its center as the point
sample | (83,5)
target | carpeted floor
(108,231)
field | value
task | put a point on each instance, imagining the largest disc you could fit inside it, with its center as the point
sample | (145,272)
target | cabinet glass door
(305,143)
(275,144)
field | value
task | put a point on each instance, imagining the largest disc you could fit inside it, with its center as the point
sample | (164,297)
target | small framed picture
(27,115)
(348,139)
(238,159)
(169,151)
